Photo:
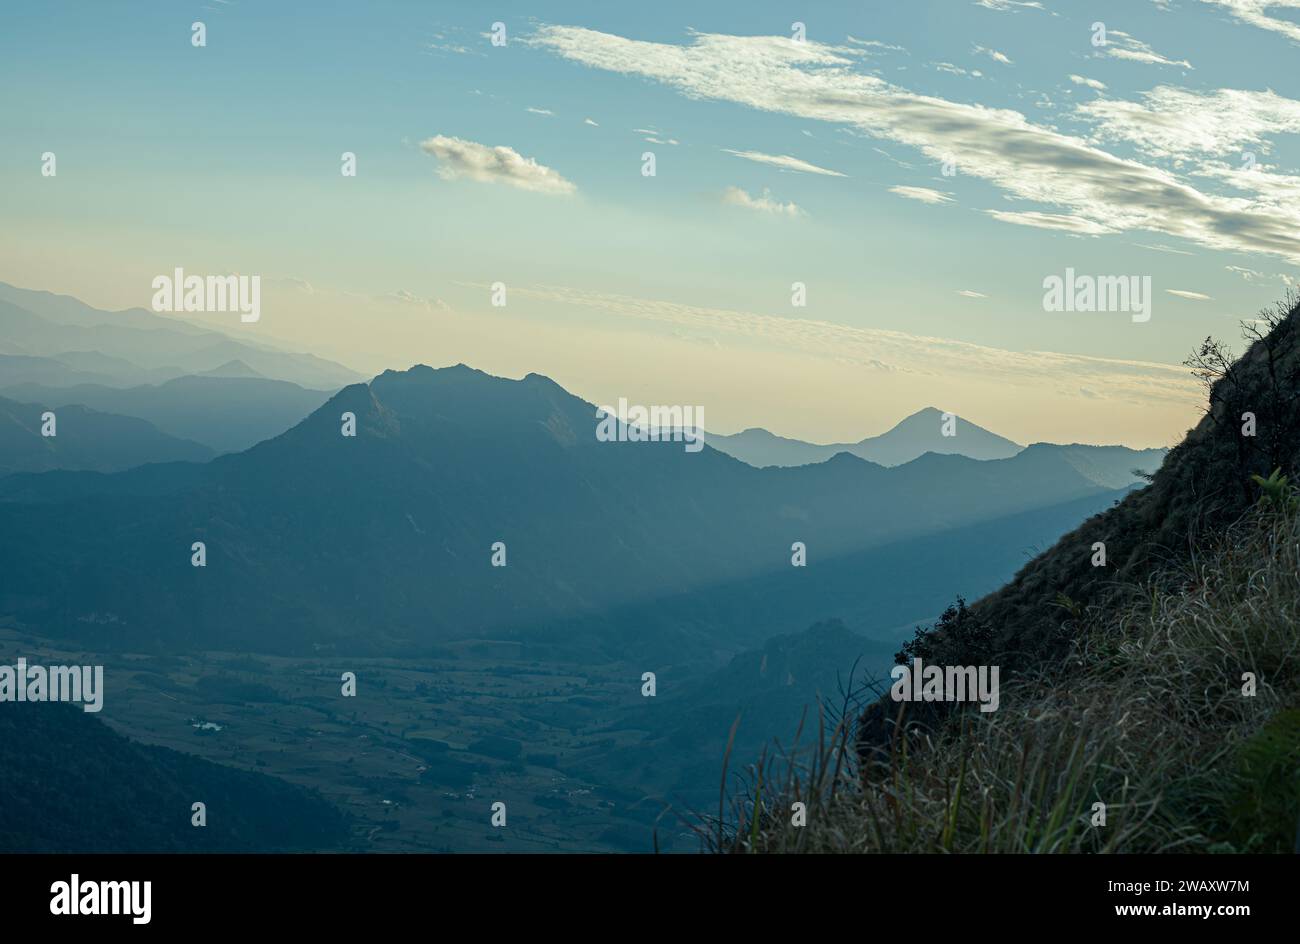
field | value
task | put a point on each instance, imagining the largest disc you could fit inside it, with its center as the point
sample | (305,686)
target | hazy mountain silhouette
(225,412)
(1106,466)
(43,324)
(85,440)
(383,541)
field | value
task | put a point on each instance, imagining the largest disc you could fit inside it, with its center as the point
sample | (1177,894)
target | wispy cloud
(1192,296)
(1010,6)
(458,158)
(875,44)
(968,293)
(956,70)
(1067,224)
(785,162)
(1137,382)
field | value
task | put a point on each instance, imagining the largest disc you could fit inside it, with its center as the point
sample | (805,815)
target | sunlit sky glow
(777,161)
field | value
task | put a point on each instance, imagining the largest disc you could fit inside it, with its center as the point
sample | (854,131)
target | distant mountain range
(132,347)
(922,432)
(918,434)
(383,542)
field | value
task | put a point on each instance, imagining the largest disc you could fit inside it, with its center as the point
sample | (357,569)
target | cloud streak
(785,162)
(923,194)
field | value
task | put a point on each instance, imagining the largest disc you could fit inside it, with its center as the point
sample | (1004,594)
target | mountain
(85,440)
(232,369)
(42,324)
(383,542)
(227,413)
(72,784)
(916,435)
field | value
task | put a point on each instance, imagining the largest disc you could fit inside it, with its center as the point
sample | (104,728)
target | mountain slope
(72,784)
(1203,485)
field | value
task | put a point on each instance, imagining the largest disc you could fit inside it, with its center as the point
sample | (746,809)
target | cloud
(785,162)
(764,202)
(588,121)
(1193,296)
(1133,49)
(540,111)
(967,293)
(1090,83)
(994,55)
(1095,191)
(924,194)
(466,159)
(1255,13)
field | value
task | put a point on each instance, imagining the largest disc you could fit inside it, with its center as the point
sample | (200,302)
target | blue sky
(776,162)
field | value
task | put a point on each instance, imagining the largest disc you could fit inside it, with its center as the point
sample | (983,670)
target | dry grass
(1148,717)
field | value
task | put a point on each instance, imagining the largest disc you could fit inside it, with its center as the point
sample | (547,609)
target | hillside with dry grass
(1148,705)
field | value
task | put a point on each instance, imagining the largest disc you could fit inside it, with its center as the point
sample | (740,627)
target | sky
(1169,152)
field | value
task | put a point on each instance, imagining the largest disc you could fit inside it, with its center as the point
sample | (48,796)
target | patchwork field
(422,751)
